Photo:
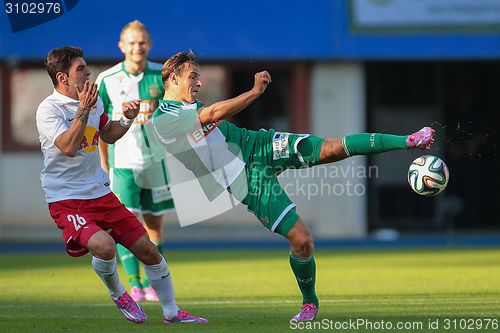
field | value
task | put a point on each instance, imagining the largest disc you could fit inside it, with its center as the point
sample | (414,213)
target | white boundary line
(424,300)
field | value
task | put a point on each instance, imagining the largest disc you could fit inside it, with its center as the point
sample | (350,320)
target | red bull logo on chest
(90,139)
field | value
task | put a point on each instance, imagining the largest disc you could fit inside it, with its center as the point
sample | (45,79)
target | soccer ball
(428,175)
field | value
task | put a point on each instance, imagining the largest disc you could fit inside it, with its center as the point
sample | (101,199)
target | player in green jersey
(136,78)
(220,154)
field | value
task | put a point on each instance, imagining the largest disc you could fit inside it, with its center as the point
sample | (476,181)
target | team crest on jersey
(90,139)
(154,90)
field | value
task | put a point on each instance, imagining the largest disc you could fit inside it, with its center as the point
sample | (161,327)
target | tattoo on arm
(83,114)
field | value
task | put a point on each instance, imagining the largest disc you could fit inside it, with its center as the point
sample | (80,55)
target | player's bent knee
(102,246)
(302,245)
(301,240)
(104,250)
(307,244)
(146,251)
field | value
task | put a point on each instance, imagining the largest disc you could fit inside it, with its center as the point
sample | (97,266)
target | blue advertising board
(256,30)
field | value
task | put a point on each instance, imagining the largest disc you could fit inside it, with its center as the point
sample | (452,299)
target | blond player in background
(136,78)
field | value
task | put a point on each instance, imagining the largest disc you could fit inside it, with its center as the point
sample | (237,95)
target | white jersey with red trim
(63,177)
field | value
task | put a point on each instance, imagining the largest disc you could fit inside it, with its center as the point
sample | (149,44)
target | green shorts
(156,201)
(273,152)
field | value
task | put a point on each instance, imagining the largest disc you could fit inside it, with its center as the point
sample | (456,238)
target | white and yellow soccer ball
(428,175)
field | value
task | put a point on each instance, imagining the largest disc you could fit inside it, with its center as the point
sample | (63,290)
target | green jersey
(224,156)
(214,149)
(139,147)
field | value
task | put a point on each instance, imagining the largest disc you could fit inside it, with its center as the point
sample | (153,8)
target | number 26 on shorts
(77,220)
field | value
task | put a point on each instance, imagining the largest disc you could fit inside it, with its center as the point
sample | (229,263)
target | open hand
(88,95)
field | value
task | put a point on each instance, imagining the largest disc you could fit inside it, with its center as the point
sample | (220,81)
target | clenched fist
(261,81)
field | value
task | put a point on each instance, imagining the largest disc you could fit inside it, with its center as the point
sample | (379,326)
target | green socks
(372,143)
(305,273)
(131,265)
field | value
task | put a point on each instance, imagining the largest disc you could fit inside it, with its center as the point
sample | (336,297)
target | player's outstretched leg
(421,139)
(336,149)
(304,268)
(161,280)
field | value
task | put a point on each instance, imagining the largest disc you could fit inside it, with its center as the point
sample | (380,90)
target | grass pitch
(254,291)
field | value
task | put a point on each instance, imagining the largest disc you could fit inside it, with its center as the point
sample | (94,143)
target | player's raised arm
(69,141)
(227,108)
(116,129)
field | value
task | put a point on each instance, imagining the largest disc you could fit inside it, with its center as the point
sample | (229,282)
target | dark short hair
(59,60)
(174,64)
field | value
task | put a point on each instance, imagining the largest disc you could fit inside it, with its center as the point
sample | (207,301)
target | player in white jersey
(137,152)
(70,123)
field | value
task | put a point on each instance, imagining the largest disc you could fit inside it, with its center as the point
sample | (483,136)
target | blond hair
(135,25)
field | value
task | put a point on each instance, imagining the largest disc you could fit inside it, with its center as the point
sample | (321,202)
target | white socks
(161,280)
(106,269)
(158,275)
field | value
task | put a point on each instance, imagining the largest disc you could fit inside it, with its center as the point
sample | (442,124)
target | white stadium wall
(23,212)
(338,109)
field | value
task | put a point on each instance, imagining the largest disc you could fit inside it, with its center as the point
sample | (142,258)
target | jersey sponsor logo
(201,133)
(146,110)
(90,139)
(280,145)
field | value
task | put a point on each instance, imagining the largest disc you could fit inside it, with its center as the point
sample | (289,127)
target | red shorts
(80,219)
